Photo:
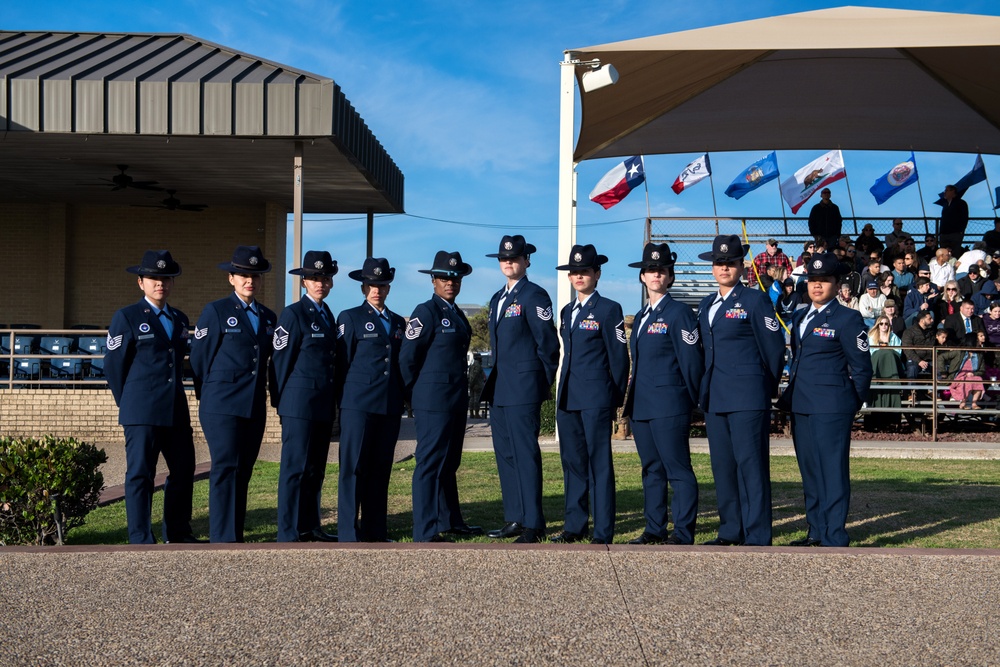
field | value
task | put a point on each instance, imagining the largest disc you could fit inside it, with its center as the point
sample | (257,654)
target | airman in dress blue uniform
(144,365)
(591,388)
(433,365)
(303,389)
(744,356)
(371,404)
(828,381)
(667,370)
(526,352)
(229,357)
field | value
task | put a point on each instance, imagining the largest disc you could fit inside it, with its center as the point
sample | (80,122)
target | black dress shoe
(440,538)
(567,537)
(673,539)
(317,535)
(187,539)
(465,530)
(720,542)
(648,538)
(805,542)
(510,529)
(597,540)
(530,536)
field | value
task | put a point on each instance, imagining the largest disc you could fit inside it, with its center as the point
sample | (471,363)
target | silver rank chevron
(200,333)
(115,342)
(620,332)
(414,328)
(689,337)
(544,314)
(863,341)
(771,323)
(340,331)
(280,340)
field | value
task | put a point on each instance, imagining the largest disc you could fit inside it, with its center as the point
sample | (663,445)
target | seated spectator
(895,321)
(964,368)
(772,256)
(808,248)
(799,272)
(941,269)
(897,235)
(920,335)
(886,364)
(846,296)
(929,251)
(917,300)
(872,272)
(871,303)
(886,285)
(965,321)
(991,323)
(950,301)
(912,261)
(985,297)
(776,280)
(901,277)
(970,284)
(868,243)
(970,258)
(788,301)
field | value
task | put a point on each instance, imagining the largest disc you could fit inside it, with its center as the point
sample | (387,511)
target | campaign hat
(247,259)
(655,254)
(583,257)
(727,248)
(156,263)
(513,246)
(316,263)
(826,264)
(375,271)
(448,265)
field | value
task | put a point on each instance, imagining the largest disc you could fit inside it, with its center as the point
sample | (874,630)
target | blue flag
(760,172)
(977,175)
(902,175)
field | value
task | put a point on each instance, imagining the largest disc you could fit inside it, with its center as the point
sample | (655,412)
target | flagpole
(988,187)
(645,183)
(715,208)
(920,191)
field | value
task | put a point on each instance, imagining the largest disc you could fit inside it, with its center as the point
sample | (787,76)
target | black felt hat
(583,257)
(156,263)
(247,259)
(827,264)
(317,263)
(513,246)
(375,271)
(726,248)
(448,264)
(655,254)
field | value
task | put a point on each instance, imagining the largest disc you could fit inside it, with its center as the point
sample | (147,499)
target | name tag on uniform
(447,331)
(371,335)
(319,335)
(233,330)
(736,314)
(590,325)
(824,332)
(657,328)
(513,310)
(146,336)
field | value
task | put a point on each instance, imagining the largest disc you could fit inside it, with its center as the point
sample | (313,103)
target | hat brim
(711,256)
(649,265)
(359,275)
(232,268)
(171,273)
(460,271)
(307,273)
(510,254)
(599,261)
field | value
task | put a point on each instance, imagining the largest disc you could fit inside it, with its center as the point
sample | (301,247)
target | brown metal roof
(217,125)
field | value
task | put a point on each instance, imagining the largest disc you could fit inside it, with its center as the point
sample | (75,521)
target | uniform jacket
(831,367)
(956,324)
(667,362)
(229,360)
(744,352)
(144,368)
(304,363)
(368,361)
(595,355)
(433,358)
(525,347)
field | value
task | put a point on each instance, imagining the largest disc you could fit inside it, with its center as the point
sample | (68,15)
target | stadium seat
(97,346)
(61,367)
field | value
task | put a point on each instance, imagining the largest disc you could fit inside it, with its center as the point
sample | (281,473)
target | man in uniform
(526,353)
(304,392)
(371,404)
(144,365)
(433,365)
(229,357)
(744,357)
(830,355)
(591,387)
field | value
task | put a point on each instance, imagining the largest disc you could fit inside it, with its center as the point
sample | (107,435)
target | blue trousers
(739,445)
(143,446)
(233,443)
(666,457)
(588,470)
(305,444)
(519,462)
(367,446)
(440,436)
(823,449)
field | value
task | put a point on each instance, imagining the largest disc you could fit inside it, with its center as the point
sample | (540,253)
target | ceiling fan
(172,203)
(123,180)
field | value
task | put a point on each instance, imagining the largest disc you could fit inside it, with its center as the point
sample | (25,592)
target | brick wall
(85,414)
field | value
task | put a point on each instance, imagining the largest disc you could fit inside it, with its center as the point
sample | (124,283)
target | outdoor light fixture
(598,76)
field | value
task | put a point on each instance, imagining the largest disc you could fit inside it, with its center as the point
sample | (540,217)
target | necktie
(642,322)
(322,313)
(572,316)
(503,297)
(713,310)
(968,325)
(386,324)
(805,323)
(167,322)
(252,316)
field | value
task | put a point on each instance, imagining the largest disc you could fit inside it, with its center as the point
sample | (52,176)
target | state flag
(902,175)
(695,172)
(821,172)
(760,172)
(617,183)
(977,175)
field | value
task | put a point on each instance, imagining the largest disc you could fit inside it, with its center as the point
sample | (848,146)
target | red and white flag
(815,176)
(617,183)
(695,172)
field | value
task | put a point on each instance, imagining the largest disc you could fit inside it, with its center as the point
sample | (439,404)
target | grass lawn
(907,503)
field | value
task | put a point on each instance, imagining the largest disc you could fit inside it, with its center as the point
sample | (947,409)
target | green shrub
(33,473)
(548,420)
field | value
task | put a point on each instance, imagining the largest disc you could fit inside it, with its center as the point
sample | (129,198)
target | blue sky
(465,97)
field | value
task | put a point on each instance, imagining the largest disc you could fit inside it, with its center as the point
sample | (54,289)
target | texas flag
(695,172)
(618,182)
(821,172)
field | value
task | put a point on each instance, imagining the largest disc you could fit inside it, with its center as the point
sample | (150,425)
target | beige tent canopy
(851,77)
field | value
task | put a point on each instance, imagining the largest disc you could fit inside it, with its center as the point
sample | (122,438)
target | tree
(480,331)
